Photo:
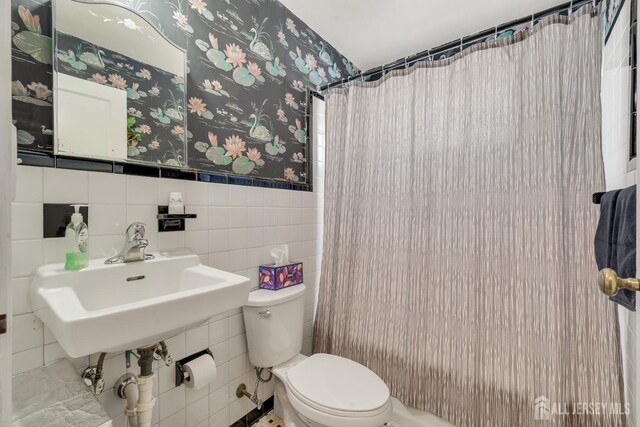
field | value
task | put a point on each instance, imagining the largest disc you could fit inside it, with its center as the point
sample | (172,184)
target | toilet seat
(332,390)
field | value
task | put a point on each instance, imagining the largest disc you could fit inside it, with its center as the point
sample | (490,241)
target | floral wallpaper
(32,82)
(255,60)
(249,62)
(155,98)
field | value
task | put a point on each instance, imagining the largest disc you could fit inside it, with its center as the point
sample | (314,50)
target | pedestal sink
(117,307)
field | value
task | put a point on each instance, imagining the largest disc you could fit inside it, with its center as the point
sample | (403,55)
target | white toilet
(321,390)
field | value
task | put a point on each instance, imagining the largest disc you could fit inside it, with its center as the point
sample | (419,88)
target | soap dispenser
(77,240)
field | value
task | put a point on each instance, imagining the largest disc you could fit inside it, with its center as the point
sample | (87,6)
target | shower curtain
(458,246)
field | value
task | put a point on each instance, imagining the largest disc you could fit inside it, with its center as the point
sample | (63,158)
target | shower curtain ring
(405,62)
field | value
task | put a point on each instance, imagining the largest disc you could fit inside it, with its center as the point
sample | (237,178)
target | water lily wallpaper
(255,60)
(32,81)
(249,62)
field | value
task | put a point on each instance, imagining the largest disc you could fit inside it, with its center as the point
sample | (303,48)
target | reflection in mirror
(119,86)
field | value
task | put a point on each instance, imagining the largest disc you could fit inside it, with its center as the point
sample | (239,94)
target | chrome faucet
(134,246)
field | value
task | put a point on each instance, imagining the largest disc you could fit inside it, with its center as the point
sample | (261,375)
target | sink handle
(135,231)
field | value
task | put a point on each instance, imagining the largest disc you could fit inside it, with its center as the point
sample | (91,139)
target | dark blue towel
(604,232)
(615,240)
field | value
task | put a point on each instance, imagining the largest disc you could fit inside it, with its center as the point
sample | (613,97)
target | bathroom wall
(621,173)
(235,228)
(250,63)
(6,195)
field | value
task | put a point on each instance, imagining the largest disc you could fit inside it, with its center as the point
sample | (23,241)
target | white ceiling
(374,32)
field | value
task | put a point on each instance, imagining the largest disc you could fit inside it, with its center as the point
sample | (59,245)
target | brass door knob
(609,282)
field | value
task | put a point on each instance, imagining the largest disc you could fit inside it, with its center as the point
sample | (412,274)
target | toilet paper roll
(202,371)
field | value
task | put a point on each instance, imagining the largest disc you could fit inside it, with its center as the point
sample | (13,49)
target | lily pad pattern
(249,63)
(155,98)
(32,81)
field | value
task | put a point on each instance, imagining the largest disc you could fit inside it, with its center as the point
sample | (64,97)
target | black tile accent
(212,177)
(56,216)
(82,164)
(32,158)
(281,185)
(300,187)
(138,170)
(254,415)
(239,180)
(262,183)
(178,174)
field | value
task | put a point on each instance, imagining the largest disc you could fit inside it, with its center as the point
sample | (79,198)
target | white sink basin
(117,307)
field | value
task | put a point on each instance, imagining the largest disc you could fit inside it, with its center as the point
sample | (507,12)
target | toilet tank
(273,322)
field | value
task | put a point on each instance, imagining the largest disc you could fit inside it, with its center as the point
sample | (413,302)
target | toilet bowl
(321,390)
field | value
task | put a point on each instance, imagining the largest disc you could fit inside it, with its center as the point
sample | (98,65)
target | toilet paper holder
(181,375)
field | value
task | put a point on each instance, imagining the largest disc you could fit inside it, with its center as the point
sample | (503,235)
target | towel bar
(609,282)
(597,197)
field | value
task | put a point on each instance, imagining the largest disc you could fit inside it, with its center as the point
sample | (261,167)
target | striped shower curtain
(458,257)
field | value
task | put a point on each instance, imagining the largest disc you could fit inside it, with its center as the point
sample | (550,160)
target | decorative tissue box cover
(281,276)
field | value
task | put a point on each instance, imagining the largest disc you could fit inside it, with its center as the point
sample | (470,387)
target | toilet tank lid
(267,297)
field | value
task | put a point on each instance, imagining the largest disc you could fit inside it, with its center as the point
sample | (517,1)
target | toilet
(322,390)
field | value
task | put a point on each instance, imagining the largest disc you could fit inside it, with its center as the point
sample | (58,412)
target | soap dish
(176,216)
(172,222)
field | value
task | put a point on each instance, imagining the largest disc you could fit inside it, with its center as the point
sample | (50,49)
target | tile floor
(269,420)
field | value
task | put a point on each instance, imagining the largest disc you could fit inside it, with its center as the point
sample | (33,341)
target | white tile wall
(619,174)
(235,230)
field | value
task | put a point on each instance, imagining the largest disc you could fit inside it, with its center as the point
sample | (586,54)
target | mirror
(119,86)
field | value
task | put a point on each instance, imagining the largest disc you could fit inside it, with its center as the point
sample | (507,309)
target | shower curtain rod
(565,8)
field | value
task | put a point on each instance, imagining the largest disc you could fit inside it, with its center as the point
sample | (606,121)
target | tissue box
(281,276)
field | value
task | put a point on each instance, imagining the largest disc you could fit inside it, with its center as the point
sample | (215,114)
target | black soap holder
(171,222)
(56,216)
(180,377)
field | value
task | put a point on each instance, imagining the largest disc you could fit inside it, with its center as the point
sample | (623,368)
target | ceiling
(374,32)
